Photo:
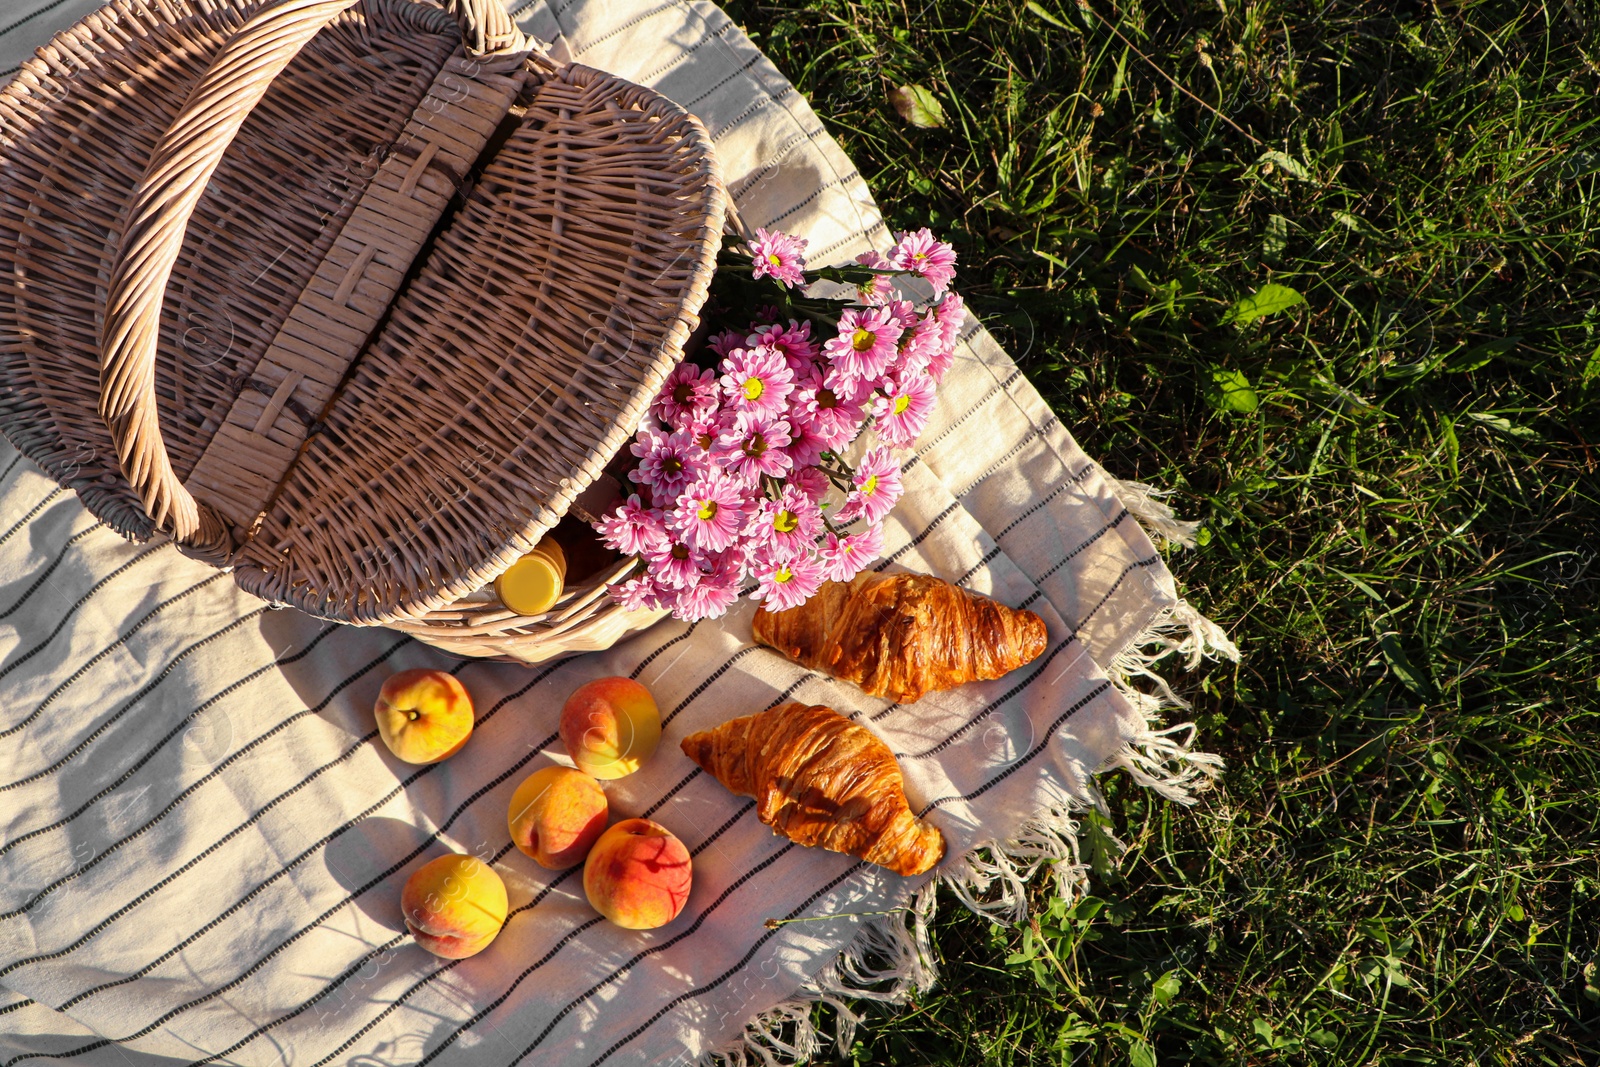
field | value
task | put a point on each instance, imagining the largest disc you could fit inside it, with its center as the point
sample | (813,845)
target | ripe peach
(423,715)
(610,726)
(638,875)
(454,906)
(555,816)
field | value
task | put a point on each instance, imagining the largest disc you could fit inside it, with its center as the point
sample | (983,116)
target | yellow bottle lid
(533,583)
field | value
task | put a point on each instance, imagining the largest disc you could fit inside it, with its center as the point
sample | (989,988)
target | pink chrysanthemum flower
(904,312)
(703,432)
(903,409)
(756,380)
(752,445)
(843,558)
(780,256)
(667,462)
(785,584)
(921,253)
(709,598)
(688,393)
(638,594)
(806,445)
(950,313)
(865,344)
(881,287)
(710,513)
(724,342)
(674,565)
(632,527)
(877,487)
(785,527)
(919,345)
(793,340)
(831,406)
(812,482)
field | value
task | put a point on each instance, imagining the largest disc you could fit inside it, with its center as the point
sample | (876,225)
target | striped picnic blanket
(202,844)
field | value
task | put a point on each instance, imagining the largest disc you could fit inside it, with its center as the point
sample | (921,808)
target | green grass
(1401,864)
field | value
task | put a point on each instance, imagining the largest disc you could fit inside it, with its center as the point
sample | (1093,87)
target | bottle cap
(531,584)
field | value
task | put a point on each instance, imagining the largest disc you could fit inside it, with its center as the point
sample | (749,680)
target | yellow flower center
(901,403)
(753,388)
(775,259)
(786,522)
(869,486)
(708,510)
(784,574)
(862,340)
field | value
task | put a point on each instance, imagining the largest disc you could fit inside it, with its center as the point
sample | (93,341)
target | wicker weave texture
(205,183)
(79,125)
(512,368)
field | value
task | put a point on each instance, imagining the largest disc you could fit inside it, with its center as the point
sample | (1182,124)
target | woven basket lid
(78,125)
(410,407)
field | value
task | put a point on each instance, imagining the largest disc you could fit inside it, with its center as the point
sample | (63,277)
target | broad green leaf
(1140,1054)
(1401,667)
(917,106)
(1267,300)
(1231,391)
(1087,909)
(1104,848)
(1165,988)
(1591,370)
(1282,161)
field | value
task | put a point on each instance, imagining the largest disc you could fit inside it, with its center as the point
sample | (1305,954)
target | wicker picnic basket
(354,298)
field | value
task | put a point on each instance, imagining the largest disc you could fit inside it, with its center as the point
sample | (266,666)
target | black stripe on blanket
(129,773)
(132,701)
(101,584)
(216,771)
(396,791)
(104,652)
(720,979)
(54,494)
(30,16)
(48,571)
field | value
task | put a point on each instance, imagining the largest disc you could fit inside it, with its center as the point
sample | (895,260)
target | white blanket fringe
(1146,503)
(891,957)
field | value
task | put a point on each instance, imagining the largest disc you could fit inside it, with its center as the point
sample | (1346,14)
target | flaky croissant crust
(902,636)
(820,779)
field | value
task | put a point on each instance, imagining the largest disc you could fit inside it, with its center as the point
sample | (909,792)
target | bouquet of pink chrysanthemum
(742,472)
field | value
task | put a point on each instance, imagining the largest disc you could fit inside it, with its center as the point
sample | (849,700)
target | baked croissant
(903,635)
(820,779)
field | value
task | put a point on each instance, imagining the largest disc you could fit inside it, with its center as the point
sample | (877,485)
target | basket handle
(180,166)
